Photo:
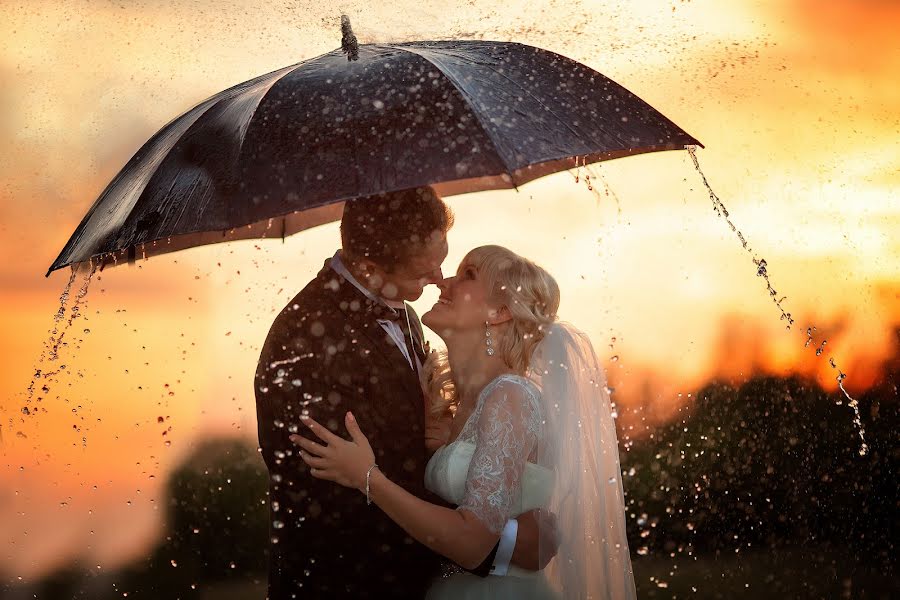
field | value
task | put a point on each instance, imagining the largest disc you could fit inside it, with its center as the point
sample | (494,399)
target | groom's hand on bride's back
(537,541)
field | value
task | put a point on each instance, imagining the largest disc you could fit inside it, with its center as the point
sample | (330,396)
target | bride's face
(464,303)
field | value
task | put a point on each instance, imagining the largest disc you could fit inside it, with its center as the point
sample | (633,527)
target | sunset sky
(796,101)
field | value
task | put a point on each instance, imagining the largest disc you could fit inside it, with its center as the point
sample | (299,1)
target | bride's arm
(506,436)
(456,534)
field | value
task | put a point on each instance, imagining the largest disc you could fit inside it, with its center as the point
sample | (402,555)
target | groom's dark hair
(390,227)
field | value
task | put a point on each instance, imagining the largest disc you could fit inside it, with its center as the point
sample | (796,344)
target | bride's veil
(580,445)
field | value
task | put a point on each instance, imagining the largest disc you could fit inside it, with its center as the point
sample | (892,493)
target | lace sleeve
(506,430)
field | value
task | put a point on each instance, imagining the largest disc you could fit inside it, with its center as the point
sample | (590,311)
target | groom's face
(407,280)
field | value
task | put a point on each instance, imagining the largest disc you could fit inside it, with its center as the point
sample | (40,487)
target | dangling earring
(489,342)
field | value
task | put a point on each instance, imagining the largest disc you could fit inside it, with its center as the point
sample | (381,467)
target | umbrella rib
(284,72)
(209,103)
(159,136)
(558,118)
(536,99)
(475,111)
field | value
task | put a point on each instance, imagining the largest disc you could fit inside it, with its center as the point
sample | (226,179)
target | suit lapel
(418,336)
(362,315)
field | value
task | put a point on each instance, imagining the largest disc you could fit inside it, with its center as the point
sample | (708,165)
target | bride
(532,428)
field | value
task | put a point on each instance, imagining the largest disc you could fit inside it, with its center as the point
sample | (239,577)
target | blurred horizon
(798,106)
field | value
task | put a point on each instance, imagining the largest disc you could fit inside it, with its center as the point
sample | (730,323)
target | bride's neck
(472,367)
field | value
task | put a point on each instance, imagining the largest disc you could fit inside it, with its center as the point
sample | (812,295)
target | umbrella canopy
(280,153)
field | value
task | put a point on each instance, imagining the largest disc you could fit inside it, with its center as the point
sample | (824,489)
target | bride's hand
(344,462)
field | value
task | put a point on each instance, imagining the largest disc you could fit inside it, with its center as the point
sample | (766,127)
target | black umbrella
(280,153)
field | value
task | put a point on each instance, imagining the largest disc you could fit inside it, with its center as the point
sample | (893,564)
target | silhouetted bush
(217,525)
(772,463)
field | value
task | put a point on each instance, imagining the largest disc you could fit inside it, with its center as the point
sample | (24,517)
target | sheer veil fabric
(580,444)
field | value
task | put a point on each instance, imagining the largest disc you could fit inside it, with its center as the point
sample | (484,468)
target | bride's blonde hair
(532,297)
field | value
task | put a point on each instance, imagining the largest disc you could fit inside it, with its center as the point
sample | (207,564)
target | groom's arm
(325,531)
(536,540)
(529,541)
(297,376)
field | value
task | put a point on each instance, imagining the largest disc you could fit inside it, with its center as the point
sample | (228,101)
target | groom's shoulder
(316,302)
(317,295)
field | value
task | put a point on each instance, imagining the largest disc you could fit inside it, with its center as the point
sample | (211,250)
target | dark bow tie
(399,316)
(383,311)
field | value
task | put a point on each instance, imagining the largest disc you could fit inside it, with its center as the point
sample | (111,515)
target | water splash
(289,361)
(761,264)
(55,341)
(50,343)
(608,192)
(593,172)
(74,312)
(854,406)
(762,271)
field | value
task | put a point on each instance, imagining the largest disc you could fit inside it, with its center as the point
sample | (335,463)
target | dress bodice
(487,468)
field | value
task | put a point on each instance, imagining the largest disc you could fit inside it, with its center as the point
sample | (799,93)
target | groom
(349,341)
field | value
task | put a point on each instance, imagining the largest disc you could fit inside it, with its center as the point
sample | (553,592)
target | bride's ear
(500,315)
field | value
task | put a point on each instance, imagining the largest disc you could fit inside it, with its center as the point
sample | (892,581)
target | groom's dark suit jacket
(326,353)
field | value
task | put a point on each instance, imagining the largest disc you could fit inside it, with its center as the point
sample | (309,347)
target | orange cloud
(853,36)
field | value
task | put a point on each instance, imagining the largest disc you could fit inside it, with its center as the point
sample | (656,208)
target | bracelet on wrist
(368,475)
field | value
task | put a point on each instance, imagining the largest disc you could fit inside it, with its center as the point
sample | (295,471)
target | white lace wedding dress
(488,471)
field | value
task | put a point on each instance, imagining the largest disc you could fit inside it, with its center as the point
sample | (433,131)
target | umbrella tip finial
(349,44)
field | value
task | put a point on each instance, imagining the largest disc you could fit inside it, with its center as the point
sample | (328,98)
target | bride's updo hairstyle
(528,291)
(532,297)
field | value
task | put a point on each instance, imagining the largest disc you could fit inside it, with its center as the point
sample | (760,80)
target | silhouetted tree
(217,523)
(772,466)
